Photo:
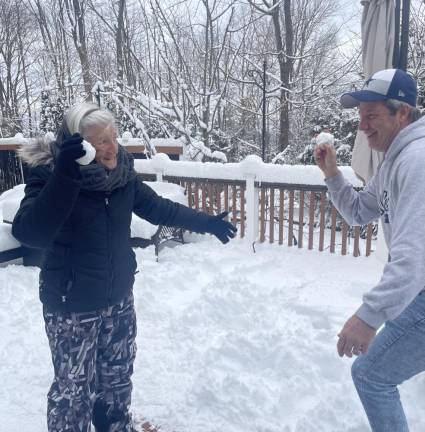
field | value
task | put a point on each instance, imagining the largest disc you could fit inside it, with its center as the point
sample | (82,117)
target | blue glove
(70,150)
(222,229)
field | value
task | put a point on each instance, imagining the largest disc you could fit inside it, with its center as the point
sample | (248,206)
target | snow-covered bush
(52,110)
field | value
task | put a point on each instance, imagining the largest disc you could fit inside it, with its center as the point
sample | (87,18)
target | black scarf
(96,177)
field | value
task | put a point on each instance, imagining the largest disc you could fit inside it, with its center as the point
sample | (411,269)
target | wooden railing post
(251,208)
(291,218)
(301,220)
(271,224)
(250,167)
(159,164)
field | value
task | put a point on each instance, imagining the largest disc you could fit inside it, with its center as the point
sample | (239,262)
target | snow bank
(9,204)
(7,241)
(142,228)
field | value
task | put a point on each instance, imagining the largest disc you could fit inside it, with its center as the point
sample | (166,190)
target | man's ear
(404,111)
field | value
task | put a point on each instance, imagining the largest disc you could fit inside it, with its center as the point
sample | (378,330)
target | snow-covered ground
(228,340)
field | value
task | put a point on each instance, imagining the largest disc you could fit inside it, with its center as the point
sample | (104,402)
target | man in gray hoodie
(396,194)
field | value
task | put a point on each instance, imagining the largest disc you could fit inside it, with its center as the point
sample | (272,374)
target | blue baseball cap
(383,85)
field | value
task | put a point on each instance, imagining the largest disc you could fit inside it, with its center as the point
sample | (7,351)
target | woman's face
(104,140)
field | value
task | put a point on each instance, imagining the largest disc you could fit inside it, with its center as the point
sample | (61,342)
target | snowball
(325,138)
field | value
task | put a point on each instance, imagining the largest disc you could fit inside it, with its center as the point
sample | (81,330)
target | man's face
(104,140)
(379,125)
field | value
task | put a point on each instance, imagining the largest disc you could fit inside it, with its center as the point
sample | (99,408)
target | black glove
(222,229)
(70,150)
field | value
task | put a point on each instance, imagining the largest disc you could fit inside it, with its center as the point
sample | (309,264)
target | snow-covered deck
(228,340)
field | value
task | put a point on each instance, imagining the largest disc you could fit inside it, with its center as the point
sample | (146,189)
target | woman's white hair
(84,115)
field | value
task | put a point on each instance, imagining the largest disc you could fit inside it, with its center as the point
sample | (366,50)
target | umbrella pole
(404,35)
(396,52)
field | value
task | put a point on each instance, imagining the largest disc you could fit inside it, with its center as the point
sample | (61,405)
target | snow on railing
(266,200)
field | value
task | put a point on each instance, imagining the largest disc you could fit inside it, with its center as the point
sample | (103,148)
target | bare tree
(117,29)
(195,90)
(15,41)
(307,60)
(76,11)
(21,26)
(51,22)
(416,58)
(185,64)
(284,40)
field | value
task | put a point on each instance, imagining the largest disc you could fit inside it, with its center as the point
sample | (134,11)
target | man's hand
(355,337)
(325,157)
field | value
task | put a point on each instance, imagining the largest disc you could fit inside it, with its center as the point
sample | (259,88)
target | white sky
(349,16)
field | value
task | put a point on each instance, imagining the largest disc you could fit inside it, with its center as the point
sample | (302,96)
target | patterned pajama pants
(93,355)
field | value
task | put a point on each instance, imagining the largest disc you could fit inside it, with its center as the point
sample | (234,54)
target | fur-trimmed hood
(38,151)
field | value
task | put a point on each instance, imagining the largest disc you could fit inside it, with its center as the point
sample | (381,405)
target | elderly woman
(80,216)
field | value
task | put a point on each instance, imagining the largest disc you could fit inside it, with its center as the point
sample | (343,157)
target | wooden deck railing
(284,213)
(295,215)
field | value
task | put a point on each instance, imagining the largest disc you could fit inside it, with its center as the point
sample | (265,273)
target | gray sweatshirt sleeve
(356,207)
(404,276)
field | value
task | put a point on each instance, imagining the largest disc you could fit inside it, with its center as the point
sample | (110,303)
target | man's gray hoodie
(396,193)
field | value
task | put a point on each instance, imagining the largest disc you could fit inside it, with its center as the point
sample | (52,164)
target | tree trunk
(76,17)
(285,60)
(24,74)
(119,43)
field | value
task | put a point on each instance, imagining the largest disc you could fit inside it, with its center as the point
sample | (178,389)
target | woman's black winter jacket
(89,263)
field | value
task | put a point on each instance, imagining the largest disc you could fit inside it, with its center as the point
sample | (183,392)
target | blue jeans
(396,354)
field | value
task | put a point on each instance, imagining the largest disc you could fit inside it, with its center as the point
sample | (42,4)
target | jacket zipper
(109,243)
(69,285)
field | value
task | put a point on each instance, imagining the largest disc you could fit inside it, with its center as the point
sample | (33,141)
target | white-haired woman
(80,216)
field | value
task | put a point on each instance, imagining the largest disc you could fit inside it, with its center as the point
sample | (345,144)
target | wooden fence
(295,215)
(292,214)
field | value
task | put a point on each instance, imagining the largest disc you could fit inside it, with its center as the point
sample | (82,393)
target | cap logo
(368,81)
(401,93)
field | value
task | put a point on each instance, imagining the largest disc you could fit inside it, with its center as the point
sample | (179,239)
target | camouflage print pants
(93,355)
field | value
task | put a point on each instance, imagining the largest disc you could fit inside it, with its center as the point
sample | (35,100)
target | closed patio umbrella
(378,34)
